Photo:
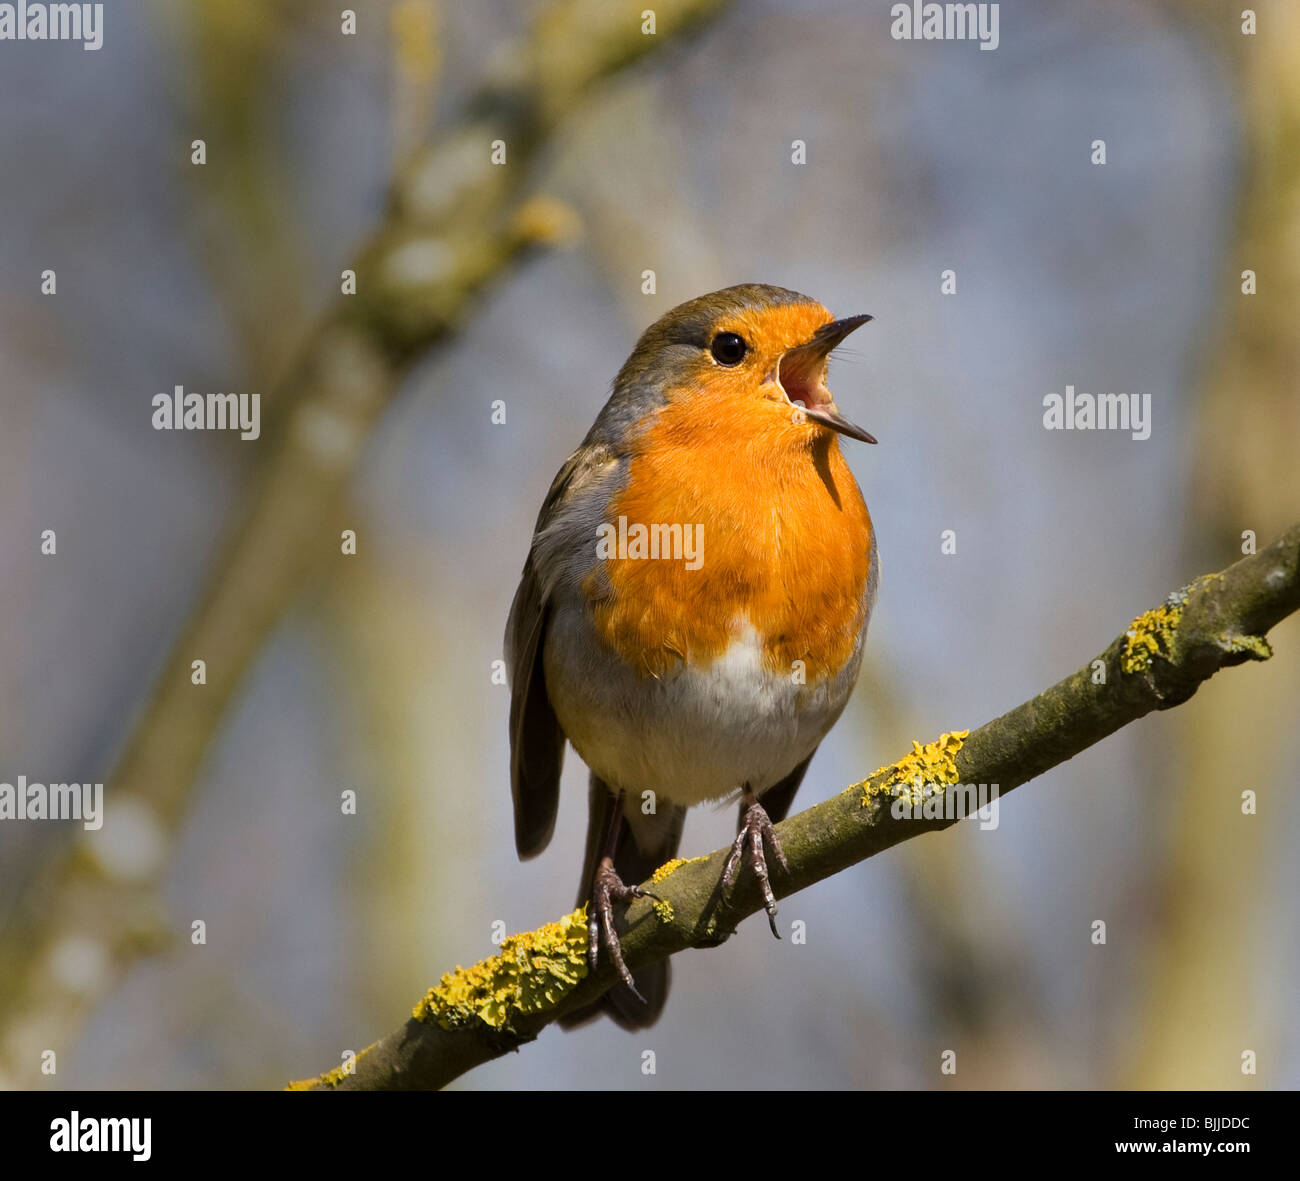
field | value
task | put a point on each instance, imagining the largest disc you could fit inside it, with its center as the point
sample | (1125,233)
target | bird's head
(755,351)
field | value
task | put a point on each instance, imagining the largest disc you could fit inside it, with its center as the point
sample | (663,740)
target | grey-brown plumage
(536,738)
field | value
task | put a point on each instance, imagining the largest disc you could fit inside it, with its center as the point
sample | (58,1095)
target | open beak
(801,374)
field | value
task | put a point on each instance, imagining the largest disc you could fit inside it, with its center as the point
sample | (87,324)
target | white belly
(697,733)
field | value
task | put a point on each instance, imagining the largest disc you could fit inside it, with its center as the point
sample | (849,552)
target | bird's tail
(644,844)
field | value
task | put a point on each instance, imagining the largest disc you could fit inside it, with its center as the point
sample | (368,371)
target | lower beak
(837,422)
(802,372)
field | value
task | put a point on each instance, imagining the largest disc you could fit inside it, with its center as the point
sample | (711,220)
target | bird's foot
(606,889)
(755,828)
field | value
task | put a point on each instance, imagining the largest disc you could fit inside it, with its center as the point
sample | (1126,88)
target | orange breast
(785,544)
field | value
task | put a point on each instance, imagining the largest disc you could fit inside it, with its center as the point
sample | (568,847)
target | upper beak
(801,373)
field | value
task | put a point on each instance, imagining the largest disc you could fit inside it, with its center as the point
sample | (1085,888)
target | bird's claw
(755,828)
(606,889)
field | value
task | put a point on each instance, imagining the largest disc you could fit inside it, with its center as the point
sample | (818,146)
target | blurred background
(524,283)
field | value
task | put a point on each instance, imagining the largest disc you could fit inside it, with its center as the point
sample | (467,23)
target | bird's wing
(536,739)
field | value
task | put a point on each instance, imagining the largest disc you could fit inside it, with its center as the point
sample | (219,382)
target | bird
(693,607)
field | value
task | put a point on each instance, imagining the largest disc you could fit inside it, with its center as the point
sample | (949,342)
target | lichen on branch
(533,972)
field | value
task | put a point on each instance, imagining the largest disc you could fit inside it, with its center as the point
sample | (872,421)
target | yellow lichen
(533,972)
(670,867)
(1151,634)
(331,1078)
(1256,646)
(933,763)
(664,909)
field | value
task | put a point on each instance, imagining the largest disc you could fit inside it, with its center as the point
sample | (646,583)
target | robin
(693,608)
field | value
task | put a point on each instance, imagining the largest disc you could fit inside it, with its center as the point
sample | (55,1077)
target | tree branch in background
(456,221)
(1159,661)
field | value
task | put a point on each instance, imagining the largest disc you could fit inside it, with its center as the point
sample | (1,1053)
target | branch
(1159,661)
(456,221)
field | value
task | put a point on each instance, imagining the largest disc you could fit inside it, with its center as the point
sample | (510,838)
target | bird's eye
(728,348)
